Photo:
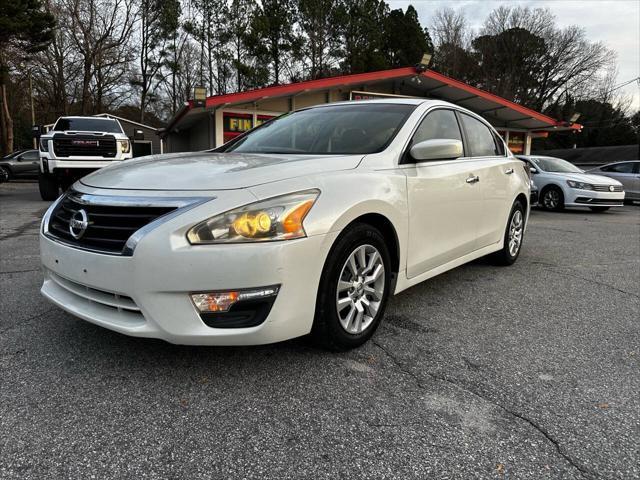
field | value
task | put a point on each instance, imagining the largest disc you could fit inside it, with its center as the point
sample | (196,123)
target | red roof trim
(489,96)
(320,84)
(363,78)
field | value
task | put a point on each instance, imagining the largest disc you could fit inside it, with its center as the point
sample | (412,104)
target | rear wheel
(513,237)
(599,209)
(48,185)
(552,199)
(353,290)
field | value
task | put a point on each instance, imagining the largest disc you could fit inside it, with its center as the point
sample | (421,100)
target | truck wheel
(48,185)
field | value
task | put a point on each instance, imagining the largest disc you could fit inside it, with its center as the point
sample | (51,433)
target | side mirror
(533,170)
(437,149)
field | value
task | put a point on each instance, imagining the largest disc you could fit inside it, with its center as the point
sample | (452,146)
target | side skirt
(404,283)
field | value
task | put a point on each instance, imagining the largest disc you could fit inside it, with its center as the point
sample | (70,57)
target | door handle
(473,179)
(509,171)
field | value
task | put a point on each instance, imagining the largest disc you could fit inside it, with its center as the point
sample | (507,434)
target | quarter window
(438,124)
(479,137)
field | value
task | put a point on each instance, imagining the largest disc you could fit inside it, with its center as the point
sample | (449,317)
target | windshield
(341,129)
(548,164)
(87,125)
(13,154)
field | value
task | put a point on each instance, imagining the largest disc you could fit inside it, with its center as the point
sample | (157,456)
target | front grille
(101,146)
(605,188)
(109,227)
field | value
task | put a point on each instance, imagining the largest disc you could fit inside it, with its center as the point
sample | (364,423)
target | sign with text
(234,124)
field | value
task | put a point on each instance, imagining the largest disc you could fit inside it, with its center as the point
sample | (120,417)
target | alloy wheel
(4,175)
(551,199)
(360,289)
(515,232)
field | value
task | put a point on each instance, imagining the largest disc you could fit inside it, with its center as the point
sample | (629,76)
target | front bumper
(53,164)
(587,198)
(147,294)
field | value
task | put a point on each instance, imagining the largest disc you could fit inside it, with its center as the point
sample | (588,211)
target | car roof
(88,116)
(528,157)
(618,162)
(394,100)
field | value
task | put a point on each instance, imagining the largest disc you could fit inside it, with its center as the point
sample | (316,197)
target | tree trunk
(86,80)
(143,101)
(7,122)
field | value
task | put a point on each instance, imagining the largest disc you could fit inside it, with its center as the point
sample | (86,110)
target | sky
(616,23)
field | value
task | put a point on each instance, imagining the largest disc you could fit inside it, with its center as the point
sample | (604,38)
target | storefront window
(235,124)
(516,142)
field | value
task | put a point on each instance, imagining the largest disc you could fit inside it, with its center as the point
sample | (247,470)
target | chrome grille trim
(178,204)
(605,188)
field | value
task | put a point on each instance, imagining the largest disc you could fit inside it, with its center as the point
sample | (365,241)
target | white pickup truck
(77,146)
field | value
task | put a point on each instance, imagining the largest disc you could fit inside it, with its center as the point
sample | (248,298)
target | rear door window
(479,137)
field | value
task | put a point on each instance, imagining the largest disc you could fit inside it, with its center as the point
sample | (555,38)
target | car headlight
(278,218)
(125,145)
(580,185)
(44,145)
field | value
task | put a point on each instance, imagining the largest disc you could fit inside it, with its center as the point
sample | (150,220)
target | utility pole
(33,112)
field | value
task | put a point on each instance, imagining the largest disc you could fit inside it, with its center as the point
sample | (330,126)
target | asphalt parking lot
(530,371)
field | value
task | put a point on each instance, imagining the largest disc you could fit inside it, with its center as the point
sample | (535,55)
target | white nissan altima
(304,225)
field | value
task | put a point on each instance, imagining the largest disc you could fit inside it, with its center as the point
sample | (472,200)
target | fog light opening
(222,301)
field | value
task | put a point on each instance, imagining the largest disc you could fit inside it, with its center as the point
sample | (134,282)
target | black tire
(546,196)
(504,256)
(5,174)
(327,330)
(49,188)
(599,209)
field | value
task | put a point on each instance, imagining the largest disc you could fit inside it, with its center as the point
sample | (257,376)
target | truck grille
(605,188)
(109,227)
(102,146)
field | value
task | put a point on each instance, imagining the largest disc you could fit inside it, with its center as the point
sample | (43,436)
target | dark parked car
(19,164)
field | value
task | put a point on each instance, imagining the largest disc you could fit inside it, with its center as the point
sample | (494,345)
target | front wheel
(48,185)
(513,237)
(5,174)
(353,290)
(552,199)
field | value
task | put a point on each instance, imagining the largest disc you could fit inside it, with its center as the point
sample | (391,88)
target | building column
(218,126)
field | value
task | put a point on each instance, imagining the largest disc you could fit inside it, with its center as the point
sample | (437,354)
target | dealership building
(211,122)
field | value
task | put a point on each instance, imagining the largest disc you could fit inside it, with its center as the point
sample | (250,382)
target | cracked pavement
(530,371)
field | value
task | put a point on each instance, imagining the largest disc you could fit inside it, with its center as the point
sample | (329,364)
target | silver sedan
(627,173)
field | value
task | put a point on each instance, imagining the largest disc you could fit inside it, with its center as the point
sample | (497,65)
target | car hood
(213,171)
(587,178)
